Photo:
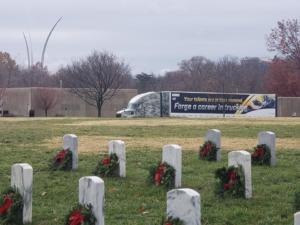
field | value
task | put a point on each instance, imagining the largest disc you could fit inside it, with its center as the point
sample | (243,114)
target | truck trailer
(200,104)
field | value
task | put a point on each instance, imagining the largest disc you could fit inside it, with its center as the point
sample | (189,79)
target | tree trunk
(46,112)
(99,106)
(99,111)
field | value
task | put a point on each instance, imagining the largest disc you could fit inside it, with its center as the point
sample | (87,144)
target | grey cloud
(150,35)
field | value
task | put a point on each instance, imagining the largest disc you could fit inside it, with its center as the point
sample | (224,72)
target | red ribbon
(259,153)
(106,161)
(159,174)
(76,218)
(232,176)
(60,156)
(8,202)
(206,150)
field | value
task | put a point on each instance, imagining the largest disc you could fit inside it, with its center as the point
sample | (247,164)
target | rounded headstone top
(93,179)
(172,146)
(187,191)
(23,165)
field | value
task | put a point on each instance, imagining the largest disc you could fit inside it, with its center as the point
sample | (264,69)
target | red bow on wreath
(76,218)
(61,156)
(168,224)
(206,150)
(159,174)
(259,153)
(232,176)
(106,161)
(8,202)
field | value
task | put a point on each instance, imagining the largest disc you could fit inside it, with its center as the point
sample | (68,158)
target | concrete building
(19,101)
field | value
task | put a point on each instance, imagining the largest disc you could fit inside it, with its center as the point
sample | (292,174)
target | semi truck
(199,104)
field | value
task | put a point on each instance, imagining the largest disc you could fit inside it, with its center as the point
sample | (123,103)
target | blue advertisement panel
(218,104)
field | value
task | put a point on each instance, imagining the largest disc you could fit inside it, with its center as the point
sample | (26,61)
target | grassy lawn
(131,201)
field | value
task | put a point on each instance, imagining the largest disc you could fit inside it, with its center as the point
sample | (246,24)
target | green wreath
(108,166)
(162,174)
(11,207)
(230,181)
(62,160)
(261,155)
(208,151)
(81,215)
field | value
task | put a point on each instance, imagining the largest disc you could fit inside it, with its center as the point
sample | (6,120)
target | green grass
(131,201)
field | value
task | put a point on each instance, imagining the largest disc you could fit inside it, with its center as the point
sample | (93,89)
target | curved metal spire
(27,48)
(31,50)
(46,42)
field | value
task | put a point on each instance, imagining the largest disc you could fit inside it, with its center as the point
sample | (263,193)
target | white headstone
(91,191)
(242,158)
(21,179)
(268,138)
(118,147)
(172,156)
(297,218)
(71,143)
(214,136)
(184,204)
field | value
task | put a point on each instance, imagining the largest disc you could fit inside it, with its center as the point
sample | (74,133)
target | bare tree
(35,77)
(285,39)
(228,72)
(145,82)
(200,72)
(47,98)
(8,69)
(253,71)
(97,78)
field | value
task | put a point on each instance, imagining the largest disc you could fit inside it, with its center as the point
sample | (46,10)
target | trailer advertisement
(219,104)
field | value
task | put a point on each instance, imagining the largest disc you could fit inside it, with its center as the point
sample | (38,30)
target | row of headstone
(265,137)
(171,153)
(70,142)
(183,204)
(91,191)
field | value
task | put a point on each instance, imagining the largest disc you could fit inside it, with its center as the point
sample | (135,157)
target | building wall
(288,106)
(18,101)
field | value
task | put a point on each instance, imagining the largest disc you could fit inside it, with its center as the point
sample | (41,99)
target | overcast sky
(151,36)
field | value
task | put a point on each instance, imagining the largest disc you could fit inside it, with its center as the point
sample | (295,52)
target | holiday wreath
(208,151)
(171,221)
(81,215)
(62,160)
(108,166)
(230,180)
(261,155)
(11,207)
(162,174)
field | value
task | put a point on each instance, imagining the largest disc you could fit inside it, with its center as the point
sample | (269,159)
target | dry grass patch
(188,122)
(96,144)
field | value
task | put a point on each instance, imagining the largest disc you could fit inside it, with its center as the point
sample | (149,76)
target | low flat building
(22,101)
